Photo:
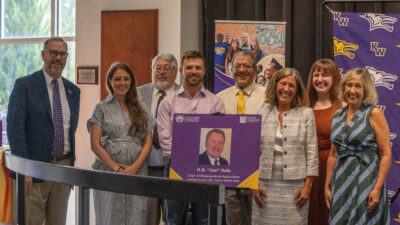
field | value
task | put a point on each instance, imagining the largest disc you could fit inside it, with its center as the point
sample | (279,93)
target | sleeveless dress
(318,213)
(356,171)
(110,207)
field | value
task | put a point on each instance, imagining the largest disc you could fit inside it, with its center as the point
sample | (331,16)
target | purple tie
(58,127)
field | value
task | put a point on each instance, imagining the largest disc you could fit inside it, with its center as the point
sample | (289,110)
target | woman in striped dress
(360,157)
(120,136)
(289,157)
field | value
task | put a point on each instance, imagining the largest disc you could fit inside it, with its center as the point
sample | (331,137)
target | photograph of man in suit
(42,118)
(164,70)
(215,140)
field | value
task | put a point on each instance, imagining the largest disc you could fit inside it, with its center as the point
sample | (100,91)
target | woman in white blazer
(289,156)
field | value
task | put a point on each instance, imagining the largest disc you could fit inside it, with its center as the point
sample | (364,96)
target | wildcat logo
(341,73)
(381,107)
(341,47)
(392,137)
(342,21)
(380,52)
(379,21)
(381,78)
(398,218)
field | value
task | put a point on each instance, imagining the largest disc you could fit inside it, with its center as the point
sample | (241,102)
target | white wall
(88,40)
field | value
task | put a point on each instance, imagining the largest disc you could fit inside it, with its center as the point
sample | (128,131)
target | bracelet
(328,185)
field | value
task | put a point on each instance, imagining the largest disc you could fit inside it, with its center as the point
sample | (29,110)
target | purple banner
(372,41)
(221,149)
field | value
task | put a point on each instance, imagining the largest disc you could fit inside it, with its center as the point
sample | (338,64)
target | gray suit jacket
(300,148)
(146,93)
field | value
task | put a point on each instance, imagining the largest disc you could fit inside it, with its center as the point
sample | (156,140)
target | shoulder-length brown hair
(328,66)
(300,98)
(137,114)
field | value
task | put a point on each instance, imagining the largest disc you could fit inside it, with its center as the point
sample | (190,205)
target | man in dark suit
(215,140)
(165,68)
(42,118)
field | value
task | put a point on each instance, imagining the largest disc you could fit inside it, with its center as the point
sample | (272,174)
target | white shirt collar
(49,79)
(168,91)
(248,90)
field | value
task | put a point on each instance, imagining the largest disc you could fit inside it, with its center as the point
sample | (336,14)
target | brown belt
(62,157)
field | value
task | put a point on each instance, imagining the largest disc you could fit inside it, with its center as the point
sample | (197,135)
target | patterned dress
(356,171)
(116,208)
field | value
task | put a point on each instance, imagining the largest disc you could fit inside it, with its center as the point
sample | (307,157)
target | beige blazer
(300,149)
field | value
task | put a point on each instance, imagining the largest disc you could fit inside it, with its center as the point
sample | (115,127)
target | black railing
(85,179)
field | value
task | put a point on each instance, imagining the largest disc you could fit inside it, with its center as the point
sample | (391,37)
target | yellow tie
(240,103)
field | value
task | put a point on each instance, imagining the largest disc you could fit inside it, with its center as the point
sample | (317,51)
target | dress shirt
(254,98)
(155,158)
(64,105)
(156,95)
(212,160)
(203,102)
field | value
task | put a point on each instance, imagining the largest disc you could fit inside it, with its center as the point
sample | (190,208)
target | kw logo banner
(372,41)
(265,40)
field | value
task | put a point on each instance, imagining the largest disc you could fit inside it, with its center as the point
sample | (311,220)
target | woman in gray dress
(120,136)
(289,157)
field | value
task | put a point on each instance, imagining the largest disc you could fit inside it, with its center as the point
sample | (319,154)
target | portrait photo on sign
(215,146)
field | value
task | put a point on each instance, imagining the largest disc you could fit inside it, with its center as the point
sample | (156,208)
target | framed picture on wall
(87,75)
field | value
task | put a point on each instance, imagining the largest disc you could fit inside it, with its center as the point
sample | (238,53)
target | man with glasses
(164,69)
(42,118)
(246,97)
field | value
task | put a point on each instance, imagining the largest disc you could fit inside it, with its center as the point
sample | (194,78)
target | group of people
(325,149)
(226,47)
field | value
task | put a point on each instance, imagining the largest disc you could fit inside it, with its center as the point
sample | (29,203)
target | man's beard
(162,85)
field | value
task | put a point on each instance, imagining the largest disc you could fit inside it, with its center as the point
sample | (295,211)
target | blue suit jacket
(29,118)
(203,159)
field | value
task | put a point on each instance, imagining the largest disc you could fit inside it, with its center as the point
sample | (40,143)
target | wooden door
(129,37)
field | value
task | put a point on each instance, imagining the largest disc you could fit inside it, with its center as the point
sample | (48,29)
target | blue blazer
(29,118)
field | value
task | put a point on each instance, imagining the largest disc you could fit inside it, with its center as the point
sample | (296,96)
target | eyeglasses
(164,68)
(54,53)
(246,67)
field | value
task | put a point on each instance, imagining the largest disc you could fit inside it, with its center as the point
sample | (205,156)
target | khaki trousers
(47,203)
(156,206)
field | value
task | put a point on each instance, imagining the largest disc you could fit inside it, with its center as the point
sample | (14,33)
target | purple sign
(372,41)
(222,149)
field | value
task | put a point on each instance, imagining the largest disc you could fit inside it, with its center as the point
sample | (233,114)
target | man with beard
(164,68)
(193,98)
(246,97)
(42,118)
